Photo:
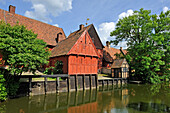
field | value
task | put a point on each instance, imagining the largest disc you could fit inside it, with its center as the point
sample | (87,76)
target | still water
(129,98)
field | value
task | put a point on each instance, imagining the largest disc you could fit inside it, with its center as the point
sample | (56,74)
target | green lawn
(103,75)
(38,79)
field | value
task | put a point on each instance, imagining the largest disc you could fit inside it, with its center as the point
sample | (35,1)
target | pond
(127,98)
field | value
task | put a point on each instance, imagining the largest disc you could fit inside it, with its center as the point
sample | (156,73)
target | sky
(69,14)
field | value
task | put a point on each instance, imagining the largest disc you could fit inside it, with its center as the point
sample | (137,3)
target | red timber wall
(83,58)
(64,59)
(82,65)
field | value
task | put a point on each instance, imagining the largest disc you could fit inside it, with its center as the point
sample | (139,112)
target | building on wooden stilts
(80,60)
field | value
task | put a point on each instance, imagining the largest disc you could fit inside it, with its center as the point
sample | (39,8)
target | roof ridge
(30,18)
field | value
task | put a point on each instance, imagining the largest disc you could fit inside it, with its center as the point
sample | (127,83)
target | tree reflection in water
(150,107)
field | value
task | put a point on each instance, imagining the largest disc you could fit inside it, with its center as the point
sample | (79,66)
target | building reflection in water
(113,99)
(89,101)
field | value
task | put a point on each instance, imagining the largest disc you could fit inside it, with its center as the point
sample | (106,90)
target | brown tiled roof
(117,63)
(78,31)
(91,29)
(65,46)
(109,53)
(46,32)
(107,57)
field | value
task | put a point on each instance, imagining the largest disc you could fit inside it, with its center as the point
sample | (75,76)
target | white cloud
(165,9)
(56,25)
(126,14)
(107,27)
(39,12)
(104,31)
(42,9)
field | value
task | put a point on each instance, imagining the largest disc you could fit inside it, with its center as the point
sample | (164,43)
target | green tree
(3,92)
(21,49)
(148,40)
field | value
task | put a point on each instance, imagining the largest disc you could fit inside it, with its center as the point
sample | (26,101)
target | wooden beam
(45,84)
(83,80)
(107,82)
(68,83)
(96,81)
(30,86)
(57,84)
(76,83)
(90,81)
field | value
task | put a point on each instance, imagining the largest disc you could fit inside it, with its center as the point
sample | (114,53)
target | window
(125,69)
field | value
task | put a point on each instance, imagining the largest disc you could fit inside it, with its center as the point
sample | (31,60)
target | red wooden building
(95,39)
(81,52)
(78,54)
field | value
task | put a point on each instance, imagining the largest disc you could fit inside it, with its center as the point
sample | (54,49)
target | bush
(3,92)
(12,87)
(57,69)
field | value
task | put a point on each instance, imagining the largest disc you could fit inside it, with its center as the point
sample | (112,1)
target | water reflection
(109,99)
(150,107)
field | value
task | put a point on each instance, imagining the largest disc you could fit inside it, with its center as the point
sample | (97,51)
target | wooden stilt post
(45,84)
(103,83)
(90,81)
(107,82)
(96,80)
(57,84)
(76,83)
(68,83)
(30,86)
(83,80)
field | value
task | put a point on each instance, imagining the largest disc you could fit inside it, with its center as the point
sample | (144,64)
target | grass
(103,75)
(38,79)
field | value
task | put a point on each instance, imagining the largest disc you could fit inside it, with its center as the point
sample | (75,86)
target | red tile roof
(109,53)
(46,32)
(65,46)
(92,32)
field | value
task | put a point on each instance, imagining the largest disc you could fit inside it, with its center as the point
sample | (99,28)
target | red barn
(78,54)
(96,40)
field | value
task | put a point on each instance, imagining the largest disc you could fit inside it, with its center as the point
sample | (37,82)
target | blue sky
(69,14)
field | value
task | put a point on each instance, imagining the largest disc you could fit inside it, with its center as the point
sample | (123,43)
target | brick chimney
(58,37)
(108,44)
(12,9)
(81,26)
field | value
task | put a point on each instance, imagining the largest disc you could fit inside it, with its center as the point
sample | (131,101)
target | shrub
(3,92)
